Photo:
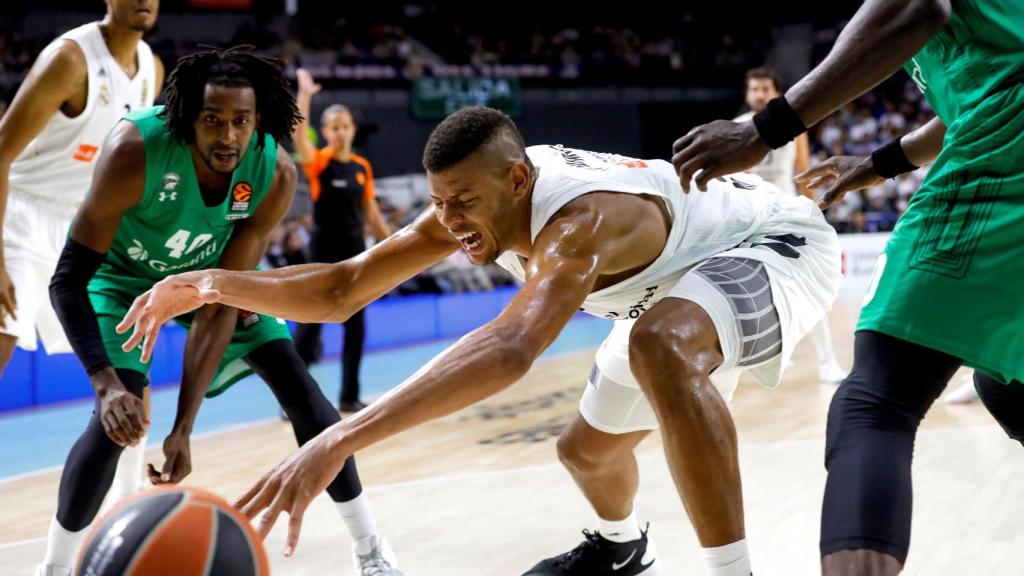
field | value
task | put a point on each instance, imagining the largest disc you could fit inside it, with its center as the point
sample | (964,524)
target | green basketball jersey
(978,53)
(952,276)
(171,230)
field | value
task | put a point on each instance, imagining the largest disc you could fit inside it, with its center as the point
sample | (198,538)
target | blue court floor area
(40,438)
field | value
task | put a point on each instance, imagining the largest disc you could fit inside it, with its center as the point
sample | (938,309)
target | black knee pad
(1004,401)
(872,424)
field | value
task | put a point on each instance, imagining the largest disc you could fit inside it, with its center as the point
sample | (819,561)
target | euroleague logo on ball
(240,196)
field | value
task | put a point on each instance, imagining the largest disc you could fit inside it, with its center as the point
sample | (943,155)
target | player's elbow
(518,347)
(337,300)
(933,14)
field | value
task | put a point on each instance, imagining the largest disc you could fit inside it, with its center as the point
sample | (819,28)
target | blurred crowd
(893,109)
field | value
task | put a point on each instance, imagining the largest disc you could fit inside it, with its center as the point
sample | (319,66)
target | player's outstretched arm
(564,265)
(305,293)
(117,184)
(882,35)
(841,174)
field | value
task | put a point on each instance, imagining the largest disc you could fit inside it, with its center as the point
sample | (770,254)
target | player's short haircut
(233,67)
(466,131)
(764,73)
(332,110)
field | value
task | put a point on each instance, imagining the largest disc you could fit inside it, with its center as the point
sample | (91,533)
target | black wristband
(69,294)
(890,160)
(778,123)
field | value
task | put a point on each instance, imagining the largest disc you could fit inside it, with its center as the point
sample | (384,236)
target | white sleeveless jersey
(56,166)
(777,166)
(703,223)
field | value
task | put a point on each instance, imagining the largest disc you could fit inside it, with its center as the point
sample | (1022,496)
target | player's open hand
(291,486)
(306,83)
(177,460)
(170,297)
(839,175)
(8,301)
(715,149)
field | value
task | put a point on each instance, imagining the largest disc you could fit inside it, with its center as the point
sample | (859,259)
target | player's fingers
(126,424)
(687,170)
(294,527)
(12,303)
(257,498)
(113,429)
(706,174)
(682,143)
(149,340)
(830,197)
(138,416)
(812,173)
(137,332)
(167,473)
(269,517)
(820,182)
(133,314)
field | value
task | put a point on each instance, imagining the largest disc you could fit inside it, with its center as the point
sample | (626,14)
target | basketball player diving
(712,284)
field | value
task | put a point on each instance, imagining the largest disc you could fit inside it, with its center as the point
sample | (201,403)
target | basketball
(173,531)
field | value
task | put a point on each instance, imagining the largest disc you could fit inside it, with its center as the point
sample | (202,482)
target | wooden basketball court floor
(481,493)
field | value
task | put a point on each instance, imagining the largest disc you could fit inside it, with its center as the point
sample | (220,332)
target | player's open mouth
(225,157)
(471,241)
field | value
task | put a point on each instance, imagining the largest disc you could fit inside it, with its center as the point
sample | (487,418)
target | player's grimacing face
(225,125)
(473,201)
(759,92)
(138,15)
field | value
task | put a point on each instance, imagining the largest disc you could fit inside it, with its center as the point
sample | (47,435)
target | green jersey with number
(952,276)
(172,230)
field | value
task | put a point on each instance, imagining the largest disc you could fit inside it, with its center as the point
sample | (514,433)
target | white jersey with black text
(55,169)
(765,266)
(778,165)
(703,223)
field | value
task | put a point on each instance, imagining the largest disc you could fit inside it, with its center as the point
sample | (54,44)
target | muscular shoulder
(62,62)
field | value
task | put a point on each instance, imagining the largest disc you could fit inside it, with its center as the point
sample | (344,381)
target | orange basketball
(242,192)
(173,531)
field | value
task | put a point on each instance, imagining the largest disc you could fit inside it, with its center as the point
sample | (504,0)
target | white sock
(130,474)
(62,545)
(621,531)
(729,560)
(358,517)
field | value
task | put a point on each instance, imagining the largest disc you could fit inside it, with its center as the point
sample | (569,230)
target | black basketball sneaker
(598,556)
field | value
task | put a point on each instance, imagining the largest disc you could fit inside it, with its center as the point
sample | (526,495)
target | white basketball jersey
(56,166)
(703,223)
(777,166)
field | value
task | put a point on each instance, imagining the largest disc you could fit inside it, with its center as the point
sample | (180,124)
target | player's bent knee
(679,342)
(578,457)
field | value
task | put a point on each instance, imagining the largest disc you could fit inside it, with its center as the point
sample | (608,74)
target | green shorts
(952,276)
(112,294)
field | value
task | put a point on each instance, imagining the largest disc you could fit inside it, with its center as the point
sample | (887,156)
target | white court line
(449,478)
